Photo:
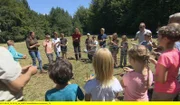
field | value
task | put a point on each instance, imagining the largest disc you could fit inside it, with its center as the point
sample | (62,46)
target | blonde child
(48,45)
(124,49)
(147,41)
(64,43)
(137,81)
(166,85)
(115,48)
(104,87)
(110,44)
(16,55)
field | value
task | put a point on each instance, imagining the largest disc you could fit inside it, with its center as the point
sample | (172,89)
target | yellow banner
(89,103)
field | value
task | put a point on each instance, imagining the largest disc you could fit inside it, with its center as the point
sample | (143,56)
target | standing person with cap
(32,45)
(141,33)
(87,43)
(76,43)
(48,45)
(102,37)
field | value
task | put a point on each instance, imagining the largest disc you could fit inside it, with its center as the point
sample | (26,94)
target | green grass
(38,85)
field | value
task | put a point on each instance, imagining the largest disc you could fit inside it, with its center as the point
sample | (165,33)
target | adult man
(142,31)
(102,38)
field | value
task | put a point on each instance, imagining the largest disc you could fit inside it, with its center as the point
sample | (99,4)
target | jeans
(50,57)
(34,55)
(57,54)
(123,59)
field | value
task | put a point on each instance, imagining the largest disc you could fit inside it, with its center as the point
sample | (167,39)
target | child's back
(68,93)
(61,73)
(135,86)
(100,93)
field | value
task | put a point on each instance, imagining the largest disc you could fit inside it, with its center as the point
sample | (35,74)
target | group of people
(103,86)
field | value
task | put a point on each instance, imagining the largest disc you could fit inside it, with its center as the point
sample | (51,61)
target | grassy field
(38,85)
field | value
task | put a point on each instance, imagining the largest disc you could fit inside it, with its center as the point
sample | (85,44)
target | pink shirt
(136,86)
(170,60)
(48,47)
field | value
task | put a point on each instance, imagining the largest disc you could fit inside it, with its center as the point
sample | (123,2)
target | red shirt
(74,36)
(170,60)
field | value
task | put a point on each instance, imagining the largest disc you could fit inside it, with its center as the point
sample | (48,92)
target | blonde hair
(102,29)
(141,54)
(103,65)
(10,42)
(124,37)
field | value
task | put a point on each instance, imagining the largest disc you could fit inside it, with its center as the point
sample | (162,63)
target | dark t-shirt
(30,42)
(101,37)
(63,41)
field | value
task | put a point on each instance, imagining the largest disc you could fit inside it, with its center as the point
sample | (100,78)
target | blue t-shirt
(177,45)
(70,93)
(147,44)
(101,37)
(16,55)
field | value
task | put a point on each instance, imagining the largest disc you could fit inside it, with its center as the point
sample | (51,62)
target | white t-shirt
(140,35)
(93,48)
(99,93)
(9,71)
(58,48)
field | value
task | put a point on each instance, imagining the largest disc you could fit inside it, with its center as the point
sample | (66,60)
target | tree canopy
(121,16)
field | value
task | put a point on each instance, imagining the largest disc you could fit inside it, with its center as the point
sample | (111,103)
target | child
(166,85)
(16,55)
(13,78)
(110,44)
(56,42)
(64,44)
(124,48)
(104,87)
(115,48)
(136,82)
(93,47)
(87,43)
(147,41)
(61,72)
(48,45)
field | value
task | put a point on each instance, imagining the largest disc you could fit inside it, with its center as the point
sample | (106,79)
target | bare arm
(22,80)
(161,77)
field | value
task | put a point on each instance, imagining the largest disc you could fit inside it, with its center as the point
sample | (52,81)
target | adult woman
(32,45)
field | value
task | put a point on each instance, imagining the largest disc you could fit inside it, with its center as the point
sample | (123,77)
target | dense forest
(121,16)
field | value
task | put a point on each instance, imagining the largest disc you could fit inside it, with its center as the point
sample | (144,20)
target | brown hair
(172,32)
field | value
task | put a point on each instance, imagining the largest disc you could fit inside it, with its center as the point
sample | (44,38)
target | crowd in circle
(103,86)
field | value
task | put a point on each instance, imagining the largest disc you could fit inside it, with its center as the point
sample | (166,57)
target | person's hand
(24,57)
(127,69)
(25,69)
(37,44)
(152,60)
(32,70)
